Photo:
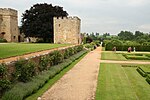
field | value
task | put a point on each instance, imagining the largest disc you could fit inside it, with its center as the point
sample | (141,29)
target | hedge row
(25,69)
(21,90)
(125,47)
(148,79)
(136,57)
(141,71)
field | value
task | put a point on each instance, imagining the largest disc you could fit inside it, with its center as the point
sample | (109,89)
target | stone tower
(67,30)
(9,24)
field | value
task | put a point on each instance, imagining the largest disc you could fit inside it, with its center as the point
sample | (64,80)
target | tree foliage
(38,21)
(125,35)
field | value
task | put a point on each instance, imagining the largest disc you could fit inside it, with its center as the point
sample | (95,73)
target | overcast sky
(97,15)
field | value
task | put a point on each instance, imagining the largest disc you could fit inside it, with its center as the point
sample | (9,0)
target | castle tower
(67,30)
(9,24)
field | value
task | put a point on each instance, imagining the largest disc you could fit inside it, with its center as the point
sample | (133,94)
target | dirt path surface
(26,56)
(79,83)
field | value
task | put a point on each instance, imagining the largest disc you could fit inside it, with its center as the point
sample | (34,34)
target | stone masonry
(9,24)
(67,30)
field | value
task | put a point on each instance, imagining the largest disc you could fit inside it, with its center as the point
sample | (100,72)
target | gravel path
(80,82)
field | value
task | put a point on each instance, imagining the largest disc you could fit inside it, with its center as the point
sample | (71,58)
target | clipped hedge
(148,79)
(136,56)
(21,90)
(144,74)
(125,47)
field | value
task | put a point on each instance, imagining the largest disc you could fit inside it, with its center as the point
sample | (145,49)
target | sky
(111,16)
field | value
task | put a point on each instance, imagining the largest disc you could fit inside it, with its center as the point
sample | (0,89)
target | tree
(138,34)
(38,21)
(126,35)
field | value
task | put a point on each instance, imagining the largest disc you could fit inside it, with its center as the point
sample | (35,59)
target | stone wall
(9,24)
(67,30)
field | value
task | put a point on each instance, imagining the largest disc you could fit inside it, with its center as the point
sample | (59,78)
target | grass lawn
(52,81)
(109,55)
(15,49)
(121,83)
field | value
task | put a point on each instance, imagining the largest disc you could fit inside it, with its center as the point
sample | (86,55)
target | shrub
(55,58)
(22,90)
(2,70)
(24,70)
(97,43)
(71,51)
(2,40)
(66,54)
(44,62)
(4,82)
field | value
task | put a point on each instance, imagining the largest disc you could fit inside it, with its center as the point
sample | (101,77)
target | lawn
(109,55)
(15,49)
(121,83)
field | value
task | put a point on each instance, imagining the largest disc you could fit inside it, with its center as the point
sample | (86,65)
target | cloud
(145,27)
(98,15)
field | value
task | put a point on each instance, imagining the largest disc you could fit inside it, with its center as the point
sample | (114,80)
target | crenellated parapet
(67,18)
(8,12)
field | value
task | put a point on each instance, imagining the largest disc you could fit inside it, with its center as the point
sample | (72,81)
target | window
(14,37)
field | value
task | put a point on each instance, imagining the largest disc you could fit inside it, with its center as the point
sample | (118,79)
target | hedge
(109,47)
(25,69)
(141,72)
(136,56)
(21,90)
(148,79)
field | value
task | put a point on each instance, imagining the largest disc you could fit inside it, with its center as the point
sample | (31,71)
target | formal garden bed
(117,81)
(136,56)
(30,75)
(145,72)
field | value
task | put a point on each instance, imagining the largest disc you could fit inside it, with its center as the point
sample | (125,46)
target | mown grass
(15,49)
(109,55)
(52,81)
(121,83)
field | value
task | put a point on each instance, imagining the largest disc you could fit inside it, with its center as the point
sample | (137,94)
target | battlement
(68,18)
(8,12)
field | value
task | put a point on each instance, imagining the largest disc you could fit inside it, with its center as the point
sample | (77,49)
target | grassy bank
(15,49)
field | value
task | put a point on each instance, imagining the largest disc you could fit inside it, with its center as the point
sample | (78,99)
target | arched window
(2,34)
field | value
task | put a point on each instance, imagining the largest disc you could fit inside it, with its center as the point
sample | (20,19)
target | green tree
(138,34)
(126,35)
(38,21)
